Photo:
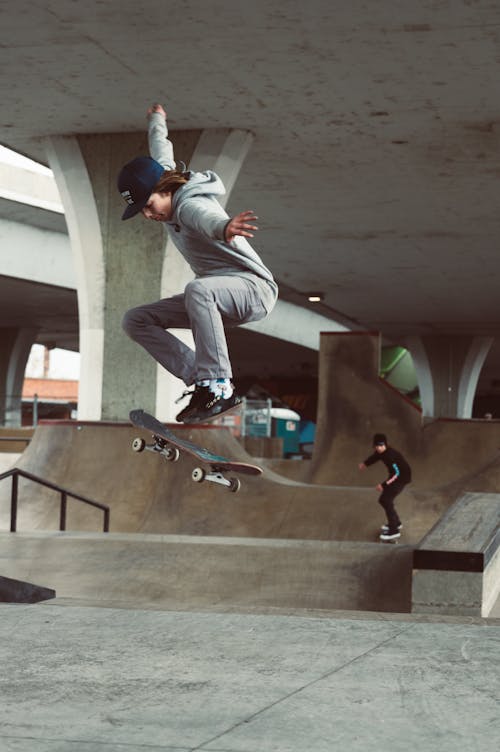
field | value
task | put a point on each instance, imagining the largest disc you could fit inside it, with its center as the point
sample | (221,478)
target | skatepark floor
(114,668)
(83,678)
(118,663)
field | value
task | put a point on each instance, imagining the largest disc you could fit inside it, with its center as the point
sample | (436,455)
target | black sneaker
(214,407)
(390,536)
(385,528)
(198,397)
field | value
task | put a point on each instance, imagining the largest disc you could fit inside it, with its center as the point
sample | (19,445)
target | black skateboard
(170,446)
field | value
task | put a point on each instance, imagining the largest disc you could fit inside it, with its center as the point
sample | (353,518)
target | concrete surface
(196,572)
(457,564)
(354,403)
(8,460)
(88,679)
(150,495)
(396,101)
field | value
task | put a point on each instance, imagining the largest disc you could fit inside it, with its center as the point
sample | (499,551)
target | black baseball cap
(379,438)
(136,182)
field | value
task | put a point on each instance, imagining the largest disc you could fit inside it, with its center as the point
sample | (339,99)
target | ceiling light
(315,297)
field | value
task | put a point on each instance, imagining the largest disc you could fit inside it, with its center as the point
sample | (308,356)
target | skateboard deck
(167,443)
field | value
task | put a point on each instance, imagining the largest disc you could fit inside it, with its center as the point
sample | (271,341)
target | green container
(285,424)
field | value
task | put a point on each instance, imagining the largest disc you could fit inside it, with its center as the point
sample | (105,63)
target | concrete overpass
(365,137)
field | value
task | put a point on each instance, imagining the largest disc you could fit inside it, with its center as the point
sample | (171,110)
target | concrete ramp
(210,573)
(147,494)
(354,403)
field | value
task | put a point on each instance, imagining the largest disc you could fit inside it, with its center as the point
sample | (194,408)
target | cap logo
(128,197)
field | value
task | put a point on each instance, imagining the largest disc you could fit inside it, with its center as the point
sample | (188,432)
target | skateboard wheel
(235,484)
(138,445)
(198,475)
(172,454)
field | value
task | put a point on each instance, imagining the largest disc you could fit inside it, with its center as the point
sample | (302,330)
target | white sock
(221,387)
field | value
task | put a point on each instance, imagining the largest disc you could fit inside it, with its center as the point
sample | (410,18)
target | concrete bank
(192,572)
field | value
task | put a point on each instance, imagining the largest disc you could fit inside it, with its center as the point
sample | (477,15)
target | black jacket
(397,467)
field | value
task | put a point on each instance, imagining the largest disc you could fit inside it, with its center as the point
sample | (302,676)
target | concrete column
(15,346)
(73,181)
(448,369)
(117,264)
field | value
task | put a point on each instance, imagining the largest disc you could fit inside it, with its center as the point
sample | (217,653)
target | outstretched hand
(157,108)
(239,225)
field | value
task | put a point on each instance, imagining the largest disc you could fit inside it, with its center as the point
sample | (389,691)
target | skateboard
(170,446)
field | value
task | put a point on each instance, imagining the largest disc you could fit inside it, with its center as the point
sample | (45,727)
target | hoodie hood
(197,226)
(206,183)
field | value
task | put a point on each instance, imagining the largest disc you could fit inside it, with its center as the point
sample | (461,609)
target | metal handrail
(15,473)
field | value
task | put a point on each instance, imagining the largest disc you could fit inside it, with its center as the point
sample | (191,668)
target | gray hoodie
(198,220)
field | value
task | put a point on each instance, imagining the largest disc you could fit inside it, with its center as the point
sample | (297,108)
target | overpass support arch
(448,369)
(15,346)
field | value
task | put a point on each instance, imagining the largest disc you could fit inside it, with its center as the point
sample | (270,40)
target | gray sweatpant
(207,305)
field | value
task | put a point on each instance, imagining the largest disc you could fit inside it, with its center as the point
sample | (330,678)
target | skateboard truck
(215,476)
(160,446)
(172,454)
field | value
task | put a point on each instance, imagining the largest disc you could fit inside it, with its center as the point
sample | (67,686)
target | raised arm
(160,146)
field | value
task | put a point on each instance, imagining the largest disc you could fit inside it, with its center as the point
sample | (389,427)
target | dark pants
(386,500)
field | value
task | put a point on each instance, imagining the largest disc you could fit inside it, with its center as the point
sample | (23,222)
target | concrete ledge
(456,568)
(190,572)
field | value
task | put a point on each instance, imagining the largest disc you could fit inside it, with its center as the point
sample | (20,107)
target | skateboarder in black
(399,475)
(231,285)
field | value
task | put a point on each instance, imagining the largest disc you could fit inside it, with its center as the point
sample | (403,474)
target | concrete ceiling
(53,311)
(375,169)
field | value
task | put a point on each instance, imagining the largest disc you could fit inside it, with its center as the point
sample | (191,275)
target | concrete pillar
(448,369)
(118,265)
(15,346)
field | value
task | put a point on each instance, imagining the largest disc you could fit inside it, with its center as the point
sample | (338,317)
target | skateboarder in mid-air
(399,475)
(231,285)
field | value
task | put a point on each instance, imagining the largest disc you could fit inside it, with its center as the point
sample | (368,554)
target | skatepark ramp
(354,403)
(148,494)
(320,534)
(275,543)
(201,573)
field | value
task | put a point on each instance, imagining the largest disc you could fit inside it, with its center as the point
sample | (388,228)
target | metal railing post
(62,515)
(13,503)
